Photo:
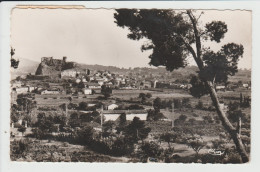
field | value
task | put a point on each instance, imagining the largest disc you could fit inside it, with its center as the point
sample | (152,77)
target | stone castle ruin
(51,66)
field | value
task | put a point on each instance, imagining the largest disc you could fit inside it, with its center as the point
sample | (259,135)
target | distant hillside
(26,66)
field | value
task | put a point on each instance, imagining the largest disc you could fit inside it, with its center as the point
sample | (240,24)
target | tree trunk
(228,126)
(225,122)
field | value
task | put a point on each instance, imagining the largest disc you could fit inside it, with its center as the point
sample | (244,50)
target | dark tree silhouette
(106,91)
(14,63)
(173,34)
(143,97)
(157,103)
(136,130)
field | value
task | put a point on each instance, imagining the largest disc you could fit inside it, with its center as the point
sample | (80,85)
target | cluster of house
(95,79)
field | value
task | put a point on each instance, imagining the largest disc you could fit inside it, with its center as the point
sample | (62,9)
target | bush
(18,148)
(186,102)
(182,118)
(150,149)
(177,103)
(199,105)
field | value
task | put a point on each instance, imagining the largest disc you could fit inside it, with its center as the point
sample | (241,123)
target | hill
(25,67)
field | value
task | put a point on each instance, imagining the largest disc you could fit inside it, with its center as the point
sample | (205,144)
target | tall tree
(106,91)
(157,103)
(136,130)
(173,36)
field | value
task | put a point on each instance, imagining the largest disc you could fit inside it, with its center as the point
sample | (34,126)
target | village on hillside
(68,99)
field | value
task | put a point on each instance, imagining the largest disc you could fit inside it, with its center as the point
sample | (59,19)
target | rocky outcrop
(50,66)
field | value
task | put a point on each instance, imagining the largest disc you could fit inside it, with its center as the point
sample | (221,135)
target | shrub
(150,149)
(199,105)
(182,117)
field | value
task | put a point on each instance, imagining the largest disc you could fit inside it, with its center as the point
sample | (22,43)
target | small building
(16,84)
(100,83)
(78,80)
(21,90)
(112,106)
(13,97)
(220,87)
(30,89)
(93,85)
(92,78)
(44,92)
(130,114)
(245,85)
(68,73)
(87,91)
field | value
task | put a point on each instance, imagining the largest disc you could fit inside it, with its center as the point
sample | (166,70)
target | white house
(93,85)
(87,91)
(100,83)
(245,85)
(92,78)
(112,106)
(78,80)
(50,92)
(21,90)
(130,114)
(220,87)
(68,73)
(30,89)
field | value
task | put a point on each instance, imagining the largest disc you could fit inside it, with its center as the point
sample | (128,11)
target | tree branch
(197,39)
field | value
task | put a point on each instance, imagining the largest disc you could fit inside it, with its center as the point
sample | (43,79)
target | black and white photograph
(130,85)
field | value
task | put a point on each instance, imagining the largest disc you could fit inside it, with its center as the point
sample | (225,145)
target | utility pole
(66,113)
(172,115)
(101,115)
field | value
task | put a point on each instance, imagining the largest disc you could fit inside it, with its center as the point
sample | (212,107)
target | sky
(90,36)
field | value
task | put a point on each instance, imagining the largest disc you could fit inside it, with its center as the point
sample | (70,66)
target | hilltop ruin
(50,66)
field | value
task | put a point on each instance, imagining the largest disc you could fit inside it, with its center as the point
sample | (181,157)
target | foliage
(171,36)
(83,106)
(154,115)
(198,88)
(200,105)
(26,103)
(14,62)
(143,97)
(137,130)
(19,148)
(106,91)
(148,95)
(44,126)
(234,113)
(168,137)
(196,143)
(150,149)
(161,28)
(22,129)
(220,65)
(85,135)
(157,104)
(216,30)
(182,117)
